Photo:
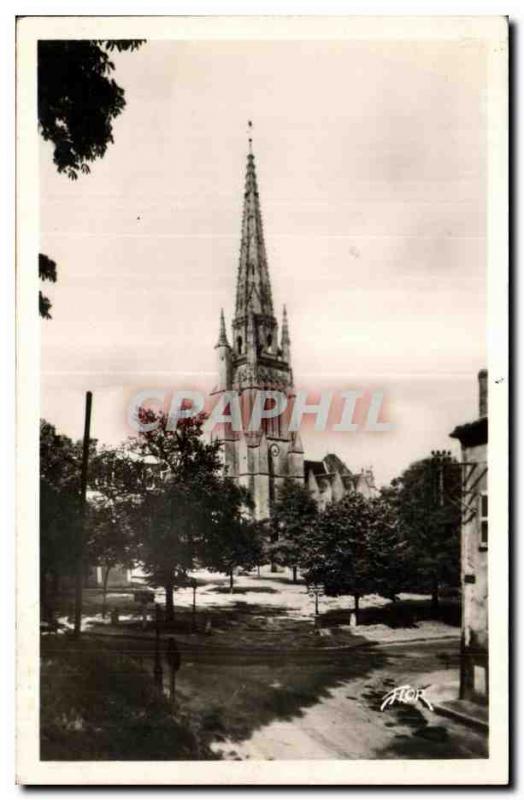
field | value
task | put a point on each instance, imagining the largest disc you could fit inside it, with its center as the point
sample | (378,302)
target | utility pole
(80,570)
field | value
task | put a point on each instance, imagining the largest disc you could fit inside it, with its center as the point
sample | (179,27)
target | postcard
(262,531)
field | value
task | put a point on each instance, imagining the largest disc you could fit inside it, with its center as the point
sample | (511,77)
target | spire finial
(250,140)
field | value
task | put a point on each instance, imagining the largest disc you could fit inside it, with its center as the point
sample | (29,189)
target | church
(259,358)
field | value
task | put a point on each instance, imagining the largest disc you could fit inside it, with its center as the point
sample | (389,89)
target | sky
(371,163)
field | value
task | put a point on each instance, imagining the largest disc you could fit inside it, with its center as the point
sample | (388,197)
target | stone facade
(258,359)
(473,437)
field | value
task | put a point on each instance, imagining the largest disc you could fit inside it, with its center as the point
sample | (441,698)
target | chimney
(483,393)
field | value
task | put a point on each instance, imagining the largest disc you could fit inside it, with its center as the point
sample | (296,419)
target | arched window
(269,341)
(239,344)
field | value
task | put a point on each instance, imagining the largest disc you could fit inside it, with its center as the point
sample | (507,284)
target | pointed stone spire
(253,286)
(285,341)
(285,327)
(222,336)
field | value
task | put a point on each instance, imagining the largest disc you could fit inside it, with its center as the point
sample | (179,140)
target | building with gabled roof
(329,480)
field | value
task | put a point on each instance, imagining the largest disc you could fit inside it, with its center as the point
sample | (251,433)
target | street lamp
(315,590)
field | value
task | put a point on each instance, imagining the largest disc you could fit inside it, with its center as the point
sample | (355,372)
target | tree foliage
(116,484)
(46,272)
(104,531)
(293,514)
(160,501)
(389,566)
(426,497)
(356,547)
(174,515)
(60,461)
(336,556)
(77,103)
(78,99)
(233,539)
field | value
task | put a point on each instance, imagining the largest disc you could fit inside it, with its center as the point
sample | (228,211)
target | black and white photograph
(262,540)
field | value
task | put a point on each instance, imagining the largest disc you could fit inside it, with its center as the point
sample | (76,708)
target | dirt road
(346,721)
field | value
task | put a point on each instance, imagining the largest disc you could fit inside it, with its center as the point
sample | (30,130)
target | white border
(29,769)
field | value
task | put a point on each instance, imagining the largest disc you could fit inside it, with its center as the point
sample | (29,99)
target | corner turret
(223,356)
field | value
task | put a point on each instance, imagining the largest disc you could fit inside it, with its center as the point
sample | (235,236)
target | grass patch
(402,614)
(100,705)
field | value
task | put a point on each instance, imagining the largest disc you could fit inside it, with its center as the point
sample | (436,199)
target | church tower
(257,359)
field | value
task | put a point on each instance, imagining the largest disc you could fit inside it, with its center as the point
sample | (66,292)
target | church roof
(316,467)
(253,286)
(348,480)
(335,464)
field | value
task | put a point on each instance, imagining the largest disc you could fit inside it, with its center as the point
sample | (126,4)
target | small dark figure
(173,659)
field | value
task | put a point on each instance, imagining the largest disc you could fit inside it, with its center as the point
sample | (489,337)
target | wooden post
(80,566)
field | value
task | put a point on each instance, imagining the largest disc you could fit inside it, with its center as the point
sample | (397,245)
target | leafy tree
(293,513)
(46,272)
(117,484)
(78,99)
(115,474)
(233,540)
(77,102)
(60,461)
(387,551)
(110,538)
(169,523)
(174,515)
(425,496)
(336,555)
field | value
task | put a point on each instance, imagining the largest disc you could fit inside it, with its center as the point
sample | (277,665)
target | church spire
(253,286)
(285,327)
(285,340)
(257,360)
(222,336)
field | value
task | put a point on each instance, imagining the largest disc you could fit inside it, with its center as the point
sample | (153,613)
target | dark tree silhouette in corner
(78,99)
(77,102)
